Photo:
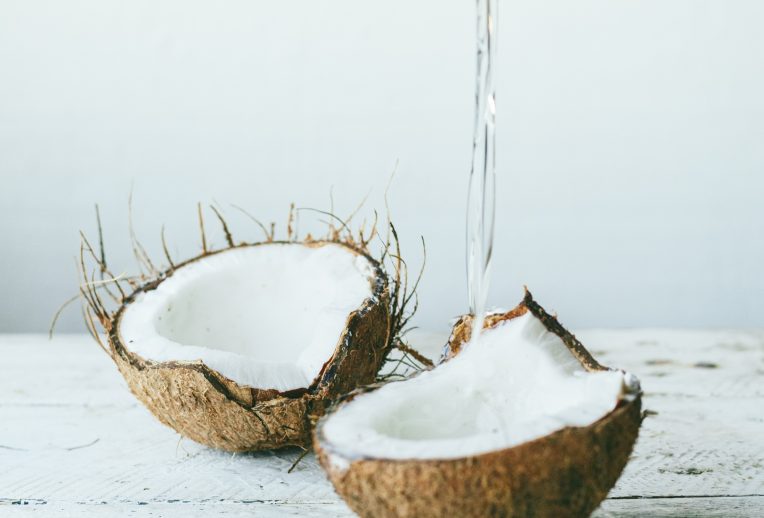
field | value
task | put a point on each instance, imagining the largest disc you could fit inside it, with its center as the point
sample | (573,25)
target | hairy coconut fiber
(564,474)
(202,404)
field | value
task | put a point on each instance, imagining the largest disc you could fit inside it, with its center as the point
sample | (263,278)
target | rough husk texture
(565,474)
(204,405)
(201,404)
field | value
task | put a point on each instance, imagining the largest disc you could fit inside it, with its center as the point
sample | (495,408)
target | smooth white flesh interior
(267,316)
(516,383)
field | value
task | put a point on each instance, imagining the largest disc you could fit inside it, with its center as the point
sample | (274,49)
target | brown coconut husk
(202,404)
(567,473)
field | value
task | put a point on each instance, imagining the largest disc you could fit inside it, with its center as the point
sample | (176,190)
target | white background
(629,142)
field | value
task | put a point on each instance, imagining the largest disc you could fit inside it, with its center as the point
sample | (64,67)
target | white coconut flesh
(515,383)
(267,316)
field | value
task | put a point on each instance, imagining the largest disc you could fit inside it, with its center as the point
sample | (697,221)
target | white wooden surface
(74,442)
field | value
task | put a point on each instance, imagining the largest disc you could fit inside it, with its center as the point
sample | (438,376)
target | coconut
(522,421)
(243,348)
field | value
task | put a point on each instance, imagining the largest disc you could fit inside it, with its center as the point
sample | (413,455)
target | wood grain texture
(730,507)
(722,507)
(74,442)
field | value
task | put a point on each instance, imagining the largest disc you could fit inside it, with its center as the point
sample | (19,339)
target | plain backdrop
(630,143)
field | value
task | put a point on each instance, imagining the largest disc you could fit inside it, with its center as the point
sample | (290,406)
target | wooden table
(74,442)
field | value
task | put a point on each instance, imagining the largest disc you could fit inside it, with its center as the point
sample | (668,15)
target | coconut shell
(567,473)
(462,331)
(205,406)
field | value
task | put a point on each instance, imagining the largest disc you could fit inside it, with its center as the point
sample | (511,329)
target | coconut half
(242,348)
(522,422)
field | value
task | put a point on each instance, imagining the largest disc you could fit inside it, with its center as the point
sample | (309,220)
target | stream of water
(481,198)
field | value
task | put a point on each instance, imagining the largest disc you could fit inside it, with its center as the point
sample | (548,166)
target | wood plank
(68,370)
(103,452)
(73,432)
(711,447)
(95,454)
(182,509)
(72,436)
(708,391)
(725,507)
(722,507)
(691,364)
